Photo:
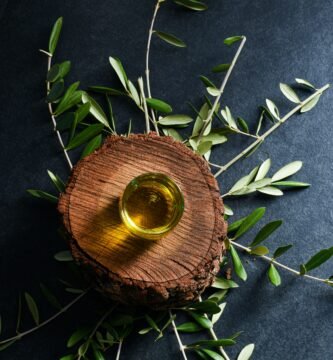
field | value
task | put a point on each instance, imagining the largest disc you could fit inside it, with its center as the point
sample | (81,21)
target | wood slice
(168,272)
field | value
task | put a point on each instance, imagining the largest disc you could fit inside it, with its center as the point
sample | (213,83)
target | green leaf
(65,121)
(256,185)
(159,105)
(226,113)
(120,71)
(265,232)
(206,306)
(235,225)
(56,91)
(221,283)
(218,296)
(273,110)
(51,298)
(289,93)
(207,82)
(54,37)
(202,115)
(231,40)
(134,93)
(82,112)
(43,195)
(271,190)
(243,125)
(216,317)
(106,90)
(221,68)
(227,210)
(238,266)
(92,145)
(95,110)
(318,259)
(212,354)
(171,120)
(311,104)
(274,275)
(287,170)
(63,256)
(58,183)
(213,343)
(213,91)
(204,147)
(250,221)
(281,250)
(189,327)
(259,251)
(64,68)
(170,39)
(71,98)
(305,83)
(201,320)
(77,336)
(291,184)
(86,135)
(53,73)
(263,169)
(32,306)
(192,4)
(246,352)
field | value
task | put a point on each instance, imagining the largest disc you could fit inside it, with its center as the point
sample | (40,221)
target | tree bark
(164,273)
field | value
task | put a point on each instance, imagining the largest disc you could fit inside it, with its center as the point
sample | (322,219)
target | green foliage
(170,39)
(54,37)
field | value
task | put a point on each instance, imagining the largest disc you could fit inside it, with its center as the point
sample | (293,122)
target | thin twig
(150,34)
(273,261)
(181,345)
(273,128)
(53,317)
(48,87)
(119,348)
(212,111)
(213,335)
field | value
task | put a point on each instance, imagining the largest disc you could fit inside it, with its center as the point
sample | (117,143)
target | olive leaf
(213,91)
(85,135)
(311,104)
(227,116)
(58,183)
(318,259)
(271,190)
(63,256)
(204,147)
(192,4)
(289,93)
(32,306)
(243,125)
(171,120)
(56,91)
(106,90)
(272,108)
(119,69)
(274,275)
(265,232)
(51,298)
(189,327)
(246,352)
(207,82)
(82,112)
(224,284)
(159,105)
(263,169)
(227,210)
(206,306)
(259,251)
(202,115)
(216,317)
(134,93)
(212,354)
(212,343)
(170,39)
(231,40)
(250,221)
(305,83)
(43,195)
(238,266)
(287,170)
(55,33)
(221,68)
(95,110)
(281,250)
(91,146)
(292,184)
(201,320)
(77,336)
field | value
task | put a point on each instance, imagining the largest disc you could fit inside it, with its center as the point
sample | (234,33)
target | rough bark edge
(164,294)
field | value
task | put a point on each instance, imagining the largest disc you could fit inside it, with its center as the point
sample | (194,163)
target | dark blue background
(286,39)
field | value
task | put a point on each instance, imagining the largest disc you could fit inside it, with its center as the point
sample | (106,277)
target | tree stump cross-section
(164,273)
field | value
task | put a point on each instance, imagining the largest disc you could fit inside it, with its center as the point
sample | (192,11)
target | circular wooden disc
(166,272)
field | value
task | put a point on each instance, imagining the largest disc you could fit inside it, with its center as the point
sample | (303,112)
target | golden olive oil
(152,204)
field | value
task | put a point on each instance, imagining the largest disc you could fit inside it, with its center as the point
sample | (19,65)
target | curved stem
(181,346)
(119,349)
(212,111)
(273,261)
(48,86)
(213,335)
(273,128)
(53,317)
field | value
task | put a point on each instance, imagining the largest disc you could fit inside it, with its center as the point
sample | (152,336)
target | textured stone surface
(286,39)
